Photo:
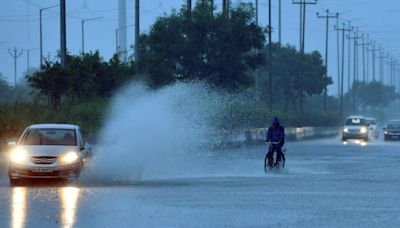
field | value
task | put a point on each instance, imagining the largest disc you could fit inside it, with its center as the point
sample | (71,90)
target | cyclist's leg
(278,154)
(270,156)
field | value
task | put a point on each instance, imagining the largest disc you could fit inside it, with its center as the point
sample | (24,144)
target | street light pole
(117,38)
(83,30)
(41,31)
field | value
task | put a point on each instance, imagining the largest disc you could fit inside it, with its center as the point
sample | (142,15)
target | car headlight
(386,132)
(19,156)
(345,130)
(363,130)
(69,157)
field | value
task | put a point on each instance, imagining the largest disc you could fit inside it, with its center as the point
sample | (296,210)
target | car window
(62,137)
(80,138)
(393,126)
(355,122)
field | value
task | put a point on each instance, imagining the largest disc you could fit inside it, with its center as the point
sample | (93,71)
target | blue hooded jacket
(276,134)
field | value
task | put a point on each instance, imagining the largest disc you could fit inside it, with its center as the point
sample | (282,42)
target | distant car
(372,127)
(355,127)
(392,130)
(48,151)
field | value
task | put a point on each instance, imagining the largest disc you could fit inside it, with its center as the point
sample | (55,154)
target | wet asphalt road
(325,184)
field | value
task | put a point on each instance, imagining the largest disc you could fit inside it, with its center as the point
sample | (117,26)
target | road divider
(257,136)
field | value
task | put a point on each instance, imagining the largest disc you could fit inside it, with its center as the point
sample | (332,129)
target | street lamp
(83,30)
(116,36)
(41,30)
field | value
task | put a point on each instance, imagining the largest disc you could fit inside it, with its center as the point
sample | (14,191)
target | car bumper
(354,135)
(17,171)
(392,137)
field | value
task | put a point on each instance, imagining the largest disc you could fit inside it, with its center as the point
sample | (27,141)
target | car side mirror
(12,144)
(82,148)
(384,128)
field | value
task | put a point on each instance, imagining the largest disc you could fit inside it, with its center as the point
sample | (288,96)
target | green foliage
(16,117)
(373,94)
(207,47)
(86,77)
(295,77)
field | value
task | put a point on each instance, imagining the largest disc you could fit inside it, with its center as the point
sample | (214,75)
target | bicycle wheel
(266,163)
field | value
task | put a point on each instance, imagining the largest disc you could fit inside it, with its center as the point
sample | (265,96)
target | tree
(86,77)
(296,76)
(208,47)
(6,91)
(374,94)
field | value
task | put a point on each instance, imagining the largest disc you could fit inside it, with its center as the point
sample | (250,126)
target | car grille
(44,160)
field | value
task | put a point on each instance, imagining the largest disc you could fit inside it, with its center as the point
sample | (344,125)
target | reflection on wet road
(325,184)
(19,207)
(69,205)
(24,202)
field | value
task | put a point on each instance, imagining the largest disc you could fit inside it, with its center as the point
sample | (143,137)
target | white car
(355,127)
(47,151)
(373,127)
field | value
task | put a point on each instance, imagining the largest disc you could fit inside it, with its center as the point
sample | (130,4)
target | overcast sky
(19,26)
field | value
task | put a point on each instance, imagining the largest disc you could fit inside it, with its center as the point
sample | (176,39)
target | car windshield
(355,122)
(394,125)
(61,137)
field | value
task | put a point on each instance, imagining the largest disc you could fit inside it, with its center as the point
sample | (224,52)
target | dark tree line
(86,77)
(228,51)
(207,46)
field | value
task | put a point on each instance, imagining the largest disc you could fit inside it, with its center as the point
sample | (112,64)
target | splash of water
(155,134)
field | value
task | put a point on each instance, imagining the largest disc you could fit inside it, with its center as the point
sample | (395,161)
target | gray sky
(19,26)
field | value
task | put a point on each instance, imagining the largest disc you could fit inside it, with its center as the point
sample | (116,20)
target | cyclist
(275,136)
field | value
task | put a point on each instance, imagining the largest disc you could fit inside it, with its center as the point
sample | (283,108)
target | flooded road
(325,184)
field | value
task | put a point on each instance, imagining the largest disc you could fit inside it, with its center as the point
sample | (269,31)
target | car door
(83,146)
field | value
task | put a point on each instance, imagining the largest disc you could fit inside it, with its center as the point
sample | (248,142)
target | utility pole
(355,66)
(280,23)
(363,44)
(41,30)
(355,61)
(389,70)
(257,12)
(63,33)
(343,30)
(137,29)
(381,58)
(270,54)
(349,60)
(367,58)
(326,17)
(373,50)
(15,55)
(123,35)
(303,4)
(338,52)
(83,30)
